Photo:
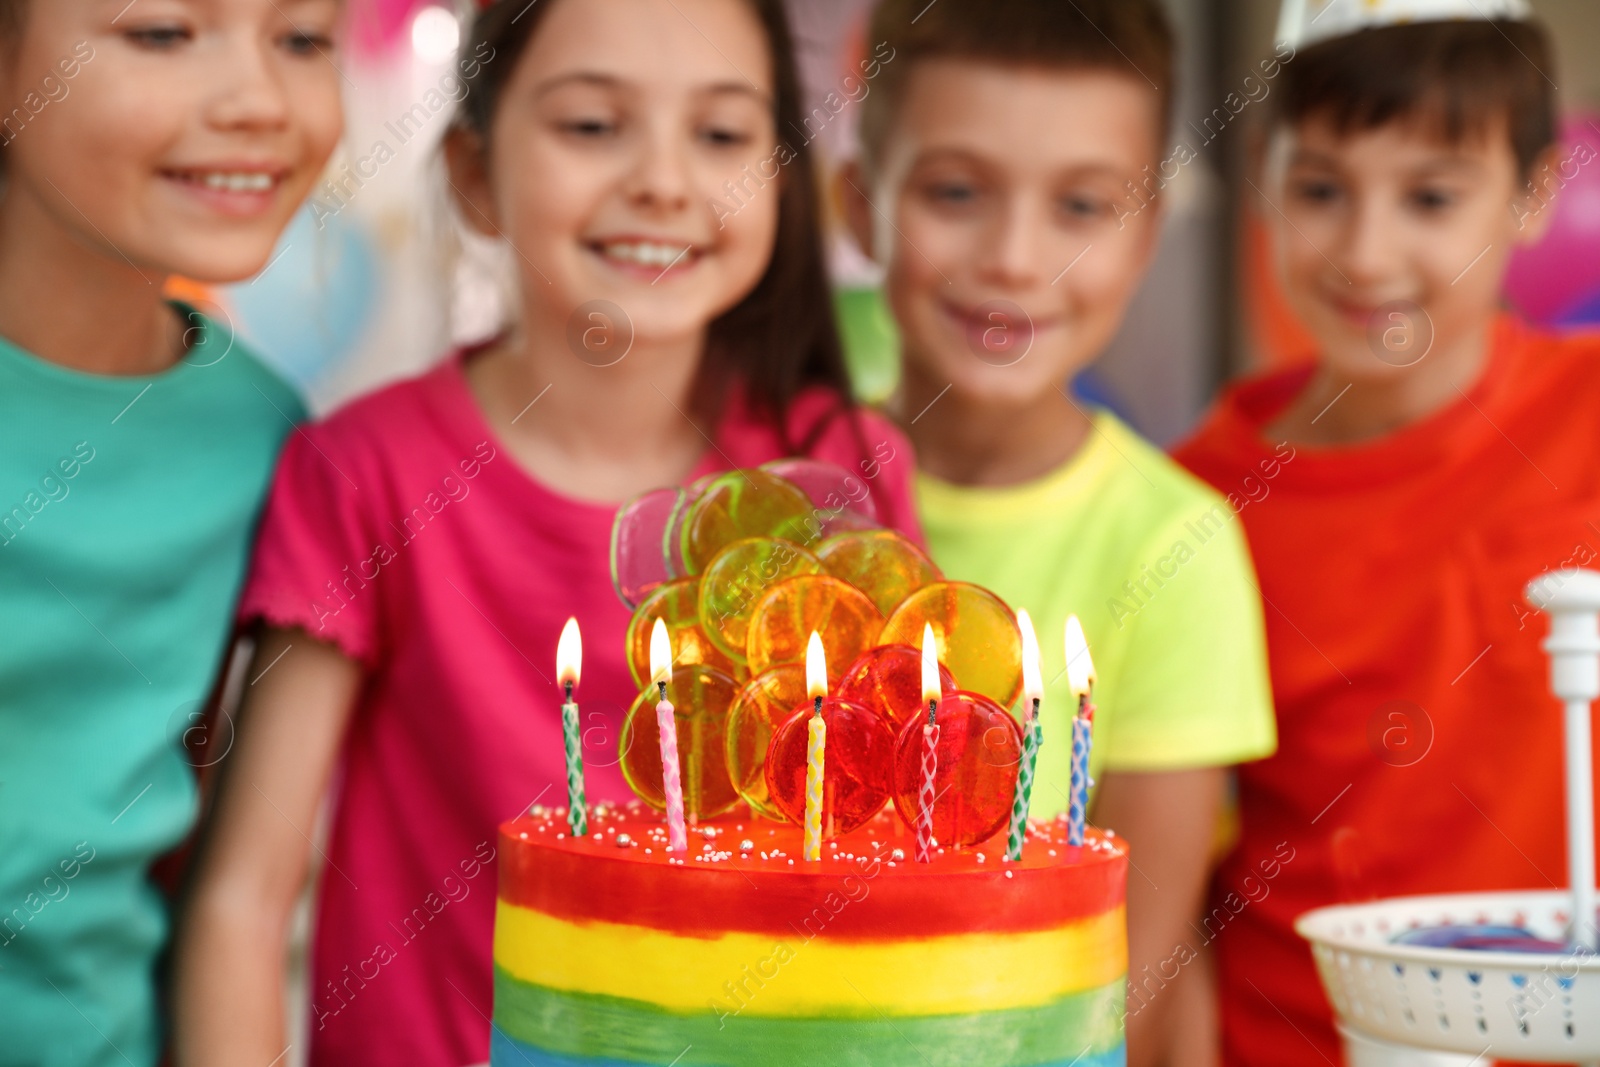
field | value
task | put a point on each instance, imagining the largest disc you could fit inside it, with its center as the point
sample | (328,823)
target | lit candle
(1080,677)
(569,663)
(1033,735)
(667,724)
(817,743)
(930,745)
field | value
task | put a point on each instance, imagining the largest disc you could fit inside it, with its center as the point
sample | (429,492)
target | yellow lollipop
(976,633)
(737,577)
(787,613)
(881,563)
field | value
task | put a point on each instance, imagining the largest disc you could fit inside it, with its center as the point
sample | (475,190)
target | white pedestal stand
(1404,1004)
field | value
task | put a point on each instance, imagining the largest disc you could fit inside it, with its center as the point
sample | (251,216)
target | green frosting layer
(582,1025)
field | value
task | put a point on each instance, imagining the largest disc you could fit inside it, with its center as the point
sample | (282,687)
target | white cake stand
(1509,1005)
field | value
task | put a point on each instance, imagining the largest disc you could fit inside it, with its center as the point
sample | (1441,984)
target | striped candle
(817,743)
(569,664)
(1019,804)
(671,774)
(930,769)
(1078,802)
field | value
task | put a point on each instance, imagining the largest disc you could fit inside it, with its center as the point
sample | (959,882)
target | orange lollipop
(787,613)
(677,604)
(749,503)
(763,705)
(881,563)
(976,633)
(701,698)
(735,579)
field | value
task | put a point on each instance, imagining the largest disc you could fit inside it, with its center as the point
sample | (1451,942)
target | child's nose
(249,88)
(1368,249)
(1012,248)
(660,176)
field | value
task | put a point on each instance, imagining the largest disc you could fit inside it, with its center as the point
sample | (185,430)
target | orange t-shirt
(1420,749)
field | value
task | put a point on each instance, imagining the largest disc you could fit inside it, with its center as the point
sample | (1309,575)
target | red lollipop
(979,748)
(888,679)
(855,769)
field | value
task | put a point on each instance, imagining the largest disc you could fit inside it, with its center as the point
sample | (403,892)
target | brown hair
(1127,36)
(782,337)
(1458,77)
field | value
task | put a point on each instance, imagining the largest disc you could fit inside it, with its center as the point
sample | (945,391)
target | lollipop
(888,679)
(842,500)
(676,604)
(637,564)
(880,563)
(762,706)
(701,697)
(979,747)
(740,504)
(855,780)
(787,613)
(988,655)
(735,579)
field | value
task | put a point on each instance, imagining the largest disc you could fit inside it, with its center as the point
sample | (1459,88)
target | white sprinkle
(746,845)
(624,841)
(561,837)
(1008,874)
(897,854)
(981,857)
(524,835)
(791,863)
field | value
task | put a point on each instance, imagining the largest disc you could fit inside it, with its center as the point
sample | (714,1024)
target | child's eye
(953,193)
(725,137)
(1315,191)
(307,43)
(1082,206)
(588,127)
(1432,200)
(159,38)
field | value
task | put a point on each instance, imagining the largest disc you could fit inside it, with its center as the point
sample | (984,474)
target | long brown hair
(782,337)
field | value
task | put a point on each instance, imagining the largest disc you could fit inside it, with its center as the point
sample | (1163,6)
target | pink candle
(666,723)
(930,746)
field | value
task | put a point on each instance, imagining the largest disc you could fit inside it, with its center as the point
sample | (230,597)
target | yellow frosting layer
(798,977)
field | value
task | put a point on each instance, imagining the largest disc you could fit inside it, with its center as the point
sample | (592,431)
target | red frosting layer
(622,873)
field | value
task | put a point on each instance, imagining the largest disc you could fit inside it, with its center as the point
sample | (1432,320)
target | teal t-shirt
(127,508)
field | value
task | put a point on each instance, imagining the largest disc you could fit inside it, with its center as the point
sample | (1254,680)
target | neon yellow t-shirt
(1154,564)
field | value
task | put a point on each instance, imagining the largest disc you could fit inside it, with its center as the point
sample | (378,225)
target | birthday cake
(816,870)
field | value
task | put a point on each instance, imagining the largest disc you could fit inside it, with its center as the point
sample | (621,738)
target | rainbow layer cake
(611,951)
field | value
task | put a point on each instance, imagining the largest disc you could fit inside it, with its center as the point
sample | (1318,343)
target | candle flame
(816,668)
(1080,667)
(660,654)
(1032,680)
(930,665)
(569,654)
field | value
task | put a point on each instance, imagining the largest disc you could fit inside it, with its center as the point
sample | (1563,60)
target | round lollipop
(787,613)
(888,679)
(701,698)
(880,563)
(747,503)
(855,778)
(979,747)
(762,706)
(976,633)
(637,563)
(735,579)
(672,540)
(677,604)
(834,490)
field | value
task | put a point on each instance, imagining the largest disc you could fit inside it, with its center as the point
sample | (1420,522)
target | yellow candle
(816,747)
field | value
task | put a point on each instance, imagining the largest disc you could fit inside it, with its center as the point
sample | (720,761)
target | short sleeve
(1194,690)
(315,558)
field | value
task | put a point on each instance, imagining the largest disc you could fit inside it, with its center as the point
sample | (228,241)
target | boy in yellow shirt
(1009,186)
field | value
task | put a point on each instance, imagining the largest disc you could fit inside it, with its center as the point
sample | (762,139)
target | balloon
(306,312)
(1554,275)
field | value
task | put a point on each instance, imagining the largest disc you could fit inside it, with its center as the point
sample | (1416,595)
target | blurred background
(372,283)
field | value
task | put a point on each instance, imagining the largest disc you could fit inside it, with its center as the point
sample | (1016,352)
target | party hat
(1307,22)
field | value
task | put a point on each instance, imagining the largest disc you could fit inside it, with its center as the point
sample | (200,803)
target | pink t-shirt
(401,531)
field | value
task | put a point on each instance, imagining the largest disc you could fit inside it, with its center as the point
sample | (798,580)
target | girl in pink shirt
(423,547)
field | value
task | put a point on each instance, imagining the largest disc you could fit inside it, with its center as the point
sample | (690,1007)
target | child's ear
(850,185)
(1535,208)
(467,166)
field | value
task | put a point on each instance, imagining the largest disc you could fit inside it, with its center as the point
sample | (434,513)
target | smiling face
(1000,210)
(610,155)
(1377,223)
(178,135)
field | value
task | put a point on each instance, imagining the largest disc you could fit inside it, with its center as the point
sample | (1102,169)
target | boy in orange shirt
(1445,456)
